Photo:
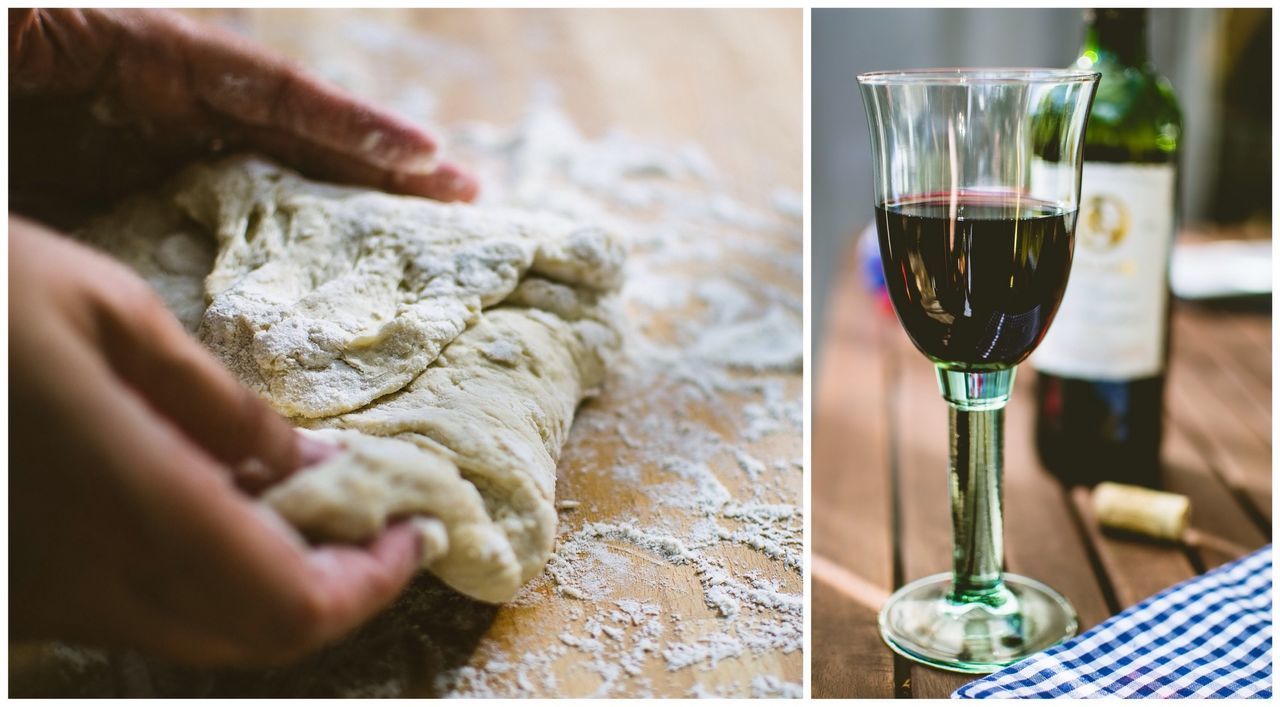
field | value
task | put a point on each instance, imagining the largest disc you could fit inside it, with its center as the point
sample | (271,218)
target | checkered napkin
(1207,637)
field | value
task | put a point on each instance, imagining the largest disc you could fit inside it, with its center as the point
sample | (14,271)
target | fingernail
(455,183)
(447,183)
(312,451)
(465,188)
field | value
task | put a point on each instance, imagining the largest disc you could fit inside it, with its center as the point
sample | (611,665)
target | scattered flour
(714,333)
(764,686)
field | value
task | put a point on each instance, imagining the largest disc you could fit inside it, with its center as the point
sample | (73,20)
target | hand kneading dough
(443,347)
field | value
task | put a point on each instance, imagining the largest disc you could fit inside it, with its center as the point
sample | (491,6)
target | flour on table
(707,497)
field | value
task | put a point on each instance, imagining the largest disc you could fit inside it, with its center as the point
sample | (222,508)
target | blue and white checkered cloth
(1206,637)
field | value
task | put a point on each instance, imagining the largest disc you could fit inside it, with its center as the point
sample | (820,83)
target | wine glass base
(921,623)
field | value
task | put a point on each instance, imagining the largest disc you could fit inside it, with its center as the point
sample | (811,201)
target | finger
(195,558)
(207,579)
(355,583)
(151,351)
(158,551)
(304,600)
(56,49)
(448,182)
(312,451)
(257,87)
(125,321)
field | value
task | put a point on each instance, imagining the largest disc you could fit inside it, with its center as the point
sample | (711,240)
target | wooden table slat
(1042,540)
(1202,382)
(1241,338)
(853,660)
(852,522)
(1215,511)
(1135,569)
(1207,347)
(1243,461)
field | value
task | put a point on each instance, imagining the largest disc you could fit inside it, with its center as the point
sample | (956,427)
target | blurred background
(1218,60)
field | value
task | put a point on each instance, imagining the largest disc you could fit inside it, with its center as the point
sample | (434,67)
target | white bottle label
(1111,325)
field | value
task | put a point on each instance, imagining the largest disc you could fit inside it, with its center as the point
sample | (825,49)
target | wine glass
(977,178)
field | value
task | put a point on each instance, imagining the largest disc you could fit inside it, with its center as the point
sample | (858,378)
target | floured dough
(444,347)
(323,298)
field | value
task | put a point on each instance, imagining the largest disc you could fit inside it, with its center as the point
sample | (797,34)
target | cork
(1155,514)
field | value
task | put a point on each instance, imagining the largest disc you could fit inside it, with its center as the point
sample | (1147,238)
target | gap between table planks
(1213,452)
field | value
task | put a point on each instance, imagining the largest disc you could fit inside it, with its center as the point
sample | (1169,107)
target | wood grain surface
(728,82)
(854,535)
(880,504)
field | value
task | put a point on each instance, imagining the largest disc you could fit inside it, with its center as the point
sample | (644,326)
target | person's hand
(103,101)
(133,452)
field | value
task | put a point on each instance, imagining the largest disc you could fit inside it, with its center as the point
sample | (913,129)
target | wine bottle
(1101,367)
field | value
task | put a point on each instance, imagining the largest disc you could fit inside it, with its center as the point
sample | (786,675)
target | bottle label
(1111,324)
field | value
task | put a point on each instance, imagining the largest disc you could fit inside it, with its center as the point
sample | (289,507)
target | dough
(444,347)
(324,298)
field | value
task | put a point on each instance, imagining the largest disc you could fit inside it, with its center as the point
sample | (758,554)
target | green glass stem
(976,401)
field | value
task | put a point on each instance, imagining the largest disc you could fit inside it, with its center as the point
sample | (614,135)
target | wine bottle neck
(1115,35)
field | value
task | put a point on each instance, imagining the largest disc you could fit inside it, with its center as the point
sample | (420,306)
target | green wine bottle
(1101,367)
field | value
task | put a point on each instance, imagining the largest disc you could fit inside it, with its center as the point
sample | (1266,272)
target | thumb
(357,582)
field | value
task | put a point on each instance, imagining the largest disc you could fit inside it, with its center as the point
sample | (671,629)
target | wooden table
(727,81)
(880,514)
